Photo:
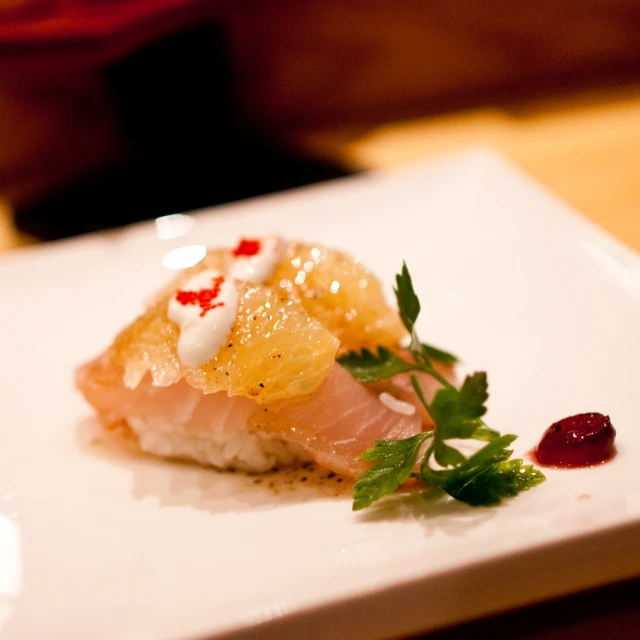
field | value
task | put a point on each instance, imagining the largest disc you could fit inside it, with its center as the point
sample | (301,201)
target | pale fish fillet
(333,425)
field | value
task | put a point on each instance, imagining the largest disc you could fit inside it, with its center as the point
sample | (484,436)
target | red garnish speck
(204,298)
(247,248)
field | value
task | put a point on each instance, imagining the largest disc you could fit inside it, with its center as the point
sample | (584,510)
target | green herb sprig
(483,478)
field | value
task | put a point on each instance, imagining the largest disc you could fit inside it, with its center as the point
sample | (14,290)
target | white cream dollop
(254,260)
(204,309)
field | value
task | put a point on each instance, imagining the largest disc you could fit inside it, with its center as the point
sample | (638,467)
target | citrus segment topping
(334,288)
(340,292)
(275,349)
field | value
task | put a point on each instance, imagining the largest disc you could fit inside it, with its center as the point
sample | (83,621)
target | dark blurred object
(183,148)
(606,612)
(51,36)
(176,178)
(141,120)
(311,63)
(115,111)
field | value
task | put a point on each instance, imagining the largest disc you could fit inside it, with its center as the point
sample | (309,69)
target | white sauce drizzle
(205,309)
(259,267)
(399,406)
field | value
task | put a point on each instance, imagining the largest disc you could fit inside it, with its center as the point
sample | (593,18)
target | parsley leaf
(485,433)
(500,480)
(397,460)
(408,303)
(439,355)
(485,477)
(368,367)
(456,414)
(452,480)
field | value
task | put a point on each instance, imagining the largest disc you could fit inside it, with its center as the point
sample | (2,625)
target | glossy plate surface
(111,546)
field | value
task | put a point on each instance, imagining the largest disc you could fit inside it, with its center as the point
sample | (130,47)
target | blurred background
(113,111)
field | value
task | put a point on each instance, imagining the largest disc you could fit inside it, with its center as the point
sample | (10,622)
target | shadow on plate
(176,483)
(182,483)
(430,507)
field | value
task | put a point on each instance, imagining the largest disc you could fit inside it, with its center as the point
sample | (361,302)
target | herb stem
(428,368)
(417,387)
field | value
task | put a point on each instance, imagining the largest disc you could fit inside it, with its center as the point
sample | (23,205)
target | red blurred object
(54,34)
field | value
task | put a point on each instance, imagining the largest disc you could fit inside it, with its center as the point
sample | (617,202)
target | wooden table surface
(586,148)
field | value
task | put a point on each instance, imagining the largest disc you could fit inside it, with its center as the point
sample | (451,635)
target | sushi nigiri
(234,363)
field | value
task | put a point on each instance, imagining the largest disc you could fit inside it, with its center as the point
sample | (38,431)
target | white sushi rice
(399,406)
(246,450)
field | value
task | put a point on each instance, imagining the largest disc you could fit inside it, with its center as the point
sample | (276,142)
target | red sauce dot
(247,248)
(577,441)
(204,298)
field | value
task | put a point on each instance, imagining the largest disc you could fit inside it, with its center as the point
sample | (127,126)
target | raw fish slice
(179,421)
(337,422)
(101,383)
(332,425)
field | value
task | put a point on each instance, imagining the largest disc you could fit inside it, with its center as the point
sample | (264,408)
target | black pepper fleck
(261,386)
(303,479)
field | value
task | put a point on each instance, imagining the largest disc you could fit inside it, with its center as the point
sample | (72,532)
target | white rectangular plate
(102,546)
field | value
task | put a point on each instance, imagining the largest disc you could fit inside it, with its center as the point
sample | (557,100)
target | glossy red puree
(582,440)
